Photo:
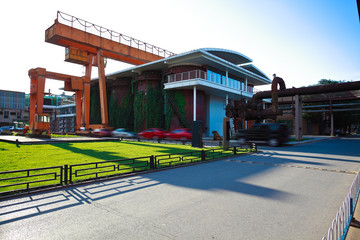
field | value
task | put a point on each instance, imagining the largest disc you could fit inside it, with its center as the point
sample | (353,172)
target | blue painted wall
(216,114)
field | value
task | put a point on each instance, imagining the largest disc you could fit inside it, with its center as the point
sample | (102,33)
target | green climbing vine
(121,116)
(179,100)
(154,108)
(149,108)
(95,117)
(139,110)
(168,111)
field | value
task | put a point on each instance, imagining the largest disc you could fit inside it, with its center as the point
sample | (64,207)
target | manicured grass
(110,153)
(47,155)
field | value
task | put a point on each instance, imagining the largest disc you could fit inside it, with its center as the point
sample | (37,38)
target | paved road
(289,192)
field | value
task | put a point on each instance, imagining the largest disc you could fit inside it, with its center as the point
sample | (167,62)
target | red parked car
(153,133)
(101,132)
(180,133)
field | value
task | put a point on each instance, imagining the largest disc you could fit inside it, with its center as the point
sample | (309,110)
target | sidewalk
(26,140)
(309,139)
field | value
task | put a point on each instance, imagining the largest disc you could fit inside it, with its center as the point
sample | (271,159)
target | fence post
(202,155)
(152,162)
(66,174)
(351,208)
(234,150)
(254,146)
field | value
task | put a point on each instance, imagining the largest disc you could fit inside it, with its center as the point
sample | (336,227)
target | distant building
(62,112)
(12,107)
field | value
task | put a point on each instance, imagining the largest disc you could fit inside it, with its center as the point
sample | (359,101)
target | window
(6,114)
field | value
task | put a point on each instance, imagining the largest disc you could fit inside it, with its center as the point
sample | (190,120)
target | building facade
(61,109)
(175,91)
(12,107)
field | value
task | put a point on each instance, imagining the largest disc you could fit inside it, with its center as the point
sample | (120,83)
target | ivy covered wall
(171,118)
(139,111)
(95,112)
(149,108)
(121,115)
(95,116)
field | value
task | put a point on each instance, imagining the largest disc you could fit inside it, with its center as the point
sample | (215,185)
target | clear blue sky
(301,41)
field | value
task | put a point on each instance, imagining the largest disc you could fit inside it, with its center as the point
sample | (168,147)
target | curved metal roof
(215,57)
(254,69)
(228,55)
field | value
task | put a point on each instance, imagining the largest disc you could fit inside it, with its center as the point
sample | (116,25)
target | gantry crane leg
(102,88)
(37,88)
(78,109)
(85,113)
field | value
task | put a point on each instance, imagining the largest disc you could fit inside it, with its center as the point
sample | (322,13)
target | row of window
(13,100)
(220,79)
(12,94)
(12,105)
(6,114)
(69,110)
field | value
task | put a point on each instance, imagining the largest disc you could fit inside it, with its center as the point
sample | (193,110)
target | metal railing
(88,171)
(92,28)
(340,224)
(199,74)
(48,177)
(187,76)
(174,159)
(29,179)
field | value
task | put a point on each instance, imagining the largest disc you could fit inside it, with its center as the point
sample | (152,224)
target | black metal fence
(29,179)
(26,180)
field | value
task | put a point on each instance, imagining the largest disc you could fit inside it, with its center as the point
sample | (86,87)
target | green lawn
(20,157)
(47,155)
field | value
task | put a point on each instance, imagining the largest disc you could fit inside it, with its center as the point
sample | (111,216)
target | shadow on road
(219,176)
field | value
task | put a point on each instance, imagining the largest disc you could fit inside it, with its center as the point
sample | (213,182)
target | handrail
(100,31)
(340,224)
(200,74)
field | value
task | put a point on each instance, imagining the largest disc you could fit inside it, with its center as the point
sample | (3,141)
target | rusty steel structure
(254,108)
(87,44)
(337,87)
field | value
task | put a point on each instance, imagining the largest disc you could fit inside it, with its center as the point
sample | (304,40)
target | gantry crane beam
(88,49)
(66,36)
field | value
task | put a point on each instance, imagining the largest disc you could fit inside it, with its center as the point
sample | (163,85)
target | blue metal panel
(216,114)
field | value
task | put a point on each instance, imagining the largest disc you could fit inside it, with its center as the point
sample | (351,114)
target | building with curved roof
(187,87)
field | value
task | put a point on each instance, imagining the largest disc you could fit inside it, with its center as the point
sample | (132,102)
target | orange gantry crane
(87,44)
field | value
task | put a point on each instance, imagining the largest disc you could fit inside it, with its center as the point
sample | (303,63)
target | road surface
(288,192)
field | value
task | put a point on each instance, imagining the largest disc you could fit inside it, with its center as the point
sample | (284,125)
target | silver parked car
(122,133)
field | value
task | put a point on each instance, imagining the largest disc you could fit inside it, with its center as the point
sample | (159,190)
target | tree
(329,81)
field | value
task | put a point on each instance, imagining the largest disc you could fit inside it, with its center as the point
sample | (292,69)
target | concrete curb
(309,141)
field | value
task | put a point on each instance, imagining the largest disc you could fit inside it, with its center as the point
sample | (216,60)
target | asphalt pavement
(290,192)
